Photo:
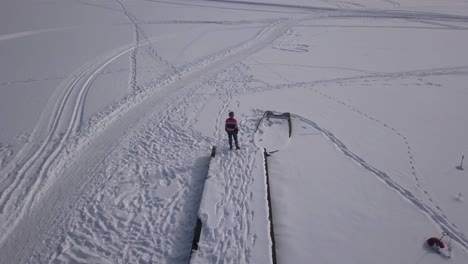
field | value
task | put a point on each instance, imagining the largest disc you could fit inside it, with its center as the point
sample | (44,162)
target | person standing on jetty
(232,129)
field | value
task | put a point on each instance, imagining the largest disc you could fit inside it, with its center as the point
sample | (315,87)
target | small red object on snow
(435,241)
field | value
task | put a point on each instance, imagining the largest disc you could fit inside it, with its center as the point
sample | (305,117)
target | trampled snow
(109,110)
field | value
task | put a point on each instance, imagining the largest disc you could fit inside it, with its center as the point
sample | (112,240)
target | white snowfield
(109,110)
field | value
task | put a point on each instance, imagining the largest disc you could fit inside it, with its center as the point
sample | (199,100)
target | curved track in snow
(30,33)
(70,154)
(435,215)
(59,125)
(61,171)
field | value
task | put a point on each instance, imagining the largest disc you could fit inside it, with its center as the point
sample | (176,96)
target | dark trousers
(233,135)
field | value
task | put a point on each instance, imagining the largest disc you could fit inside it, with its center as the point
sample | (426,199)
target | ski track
(37,161)
(73,143)
(438,218)
(146,152)
(5,153)
(19,189)
(30,80)
(160,156)
(165,132)
(30,33)
(234,232)
(346,12)
(224,7)
(59,113)
(438,24)
(147,158)
(61,78)
(353,12)
(216,22)
(274,29)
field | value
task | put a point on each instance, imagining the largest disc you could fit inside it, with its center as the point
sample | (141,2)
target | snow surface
(109,110)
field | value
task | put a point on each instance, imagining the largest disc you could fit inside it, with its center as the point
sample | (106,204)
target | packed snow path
(74,158)
(124,186)
(234,210)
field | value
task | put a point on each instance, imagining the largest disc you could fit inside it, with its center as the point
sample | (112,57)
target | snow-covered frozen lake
(109,110)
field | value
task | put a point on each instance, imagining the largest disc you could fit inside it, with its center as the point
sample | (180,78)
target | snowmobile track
(77,144)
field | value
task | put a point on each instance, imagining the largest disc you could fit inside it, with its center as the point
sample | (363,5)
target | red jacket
(435,241)
(231,125)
